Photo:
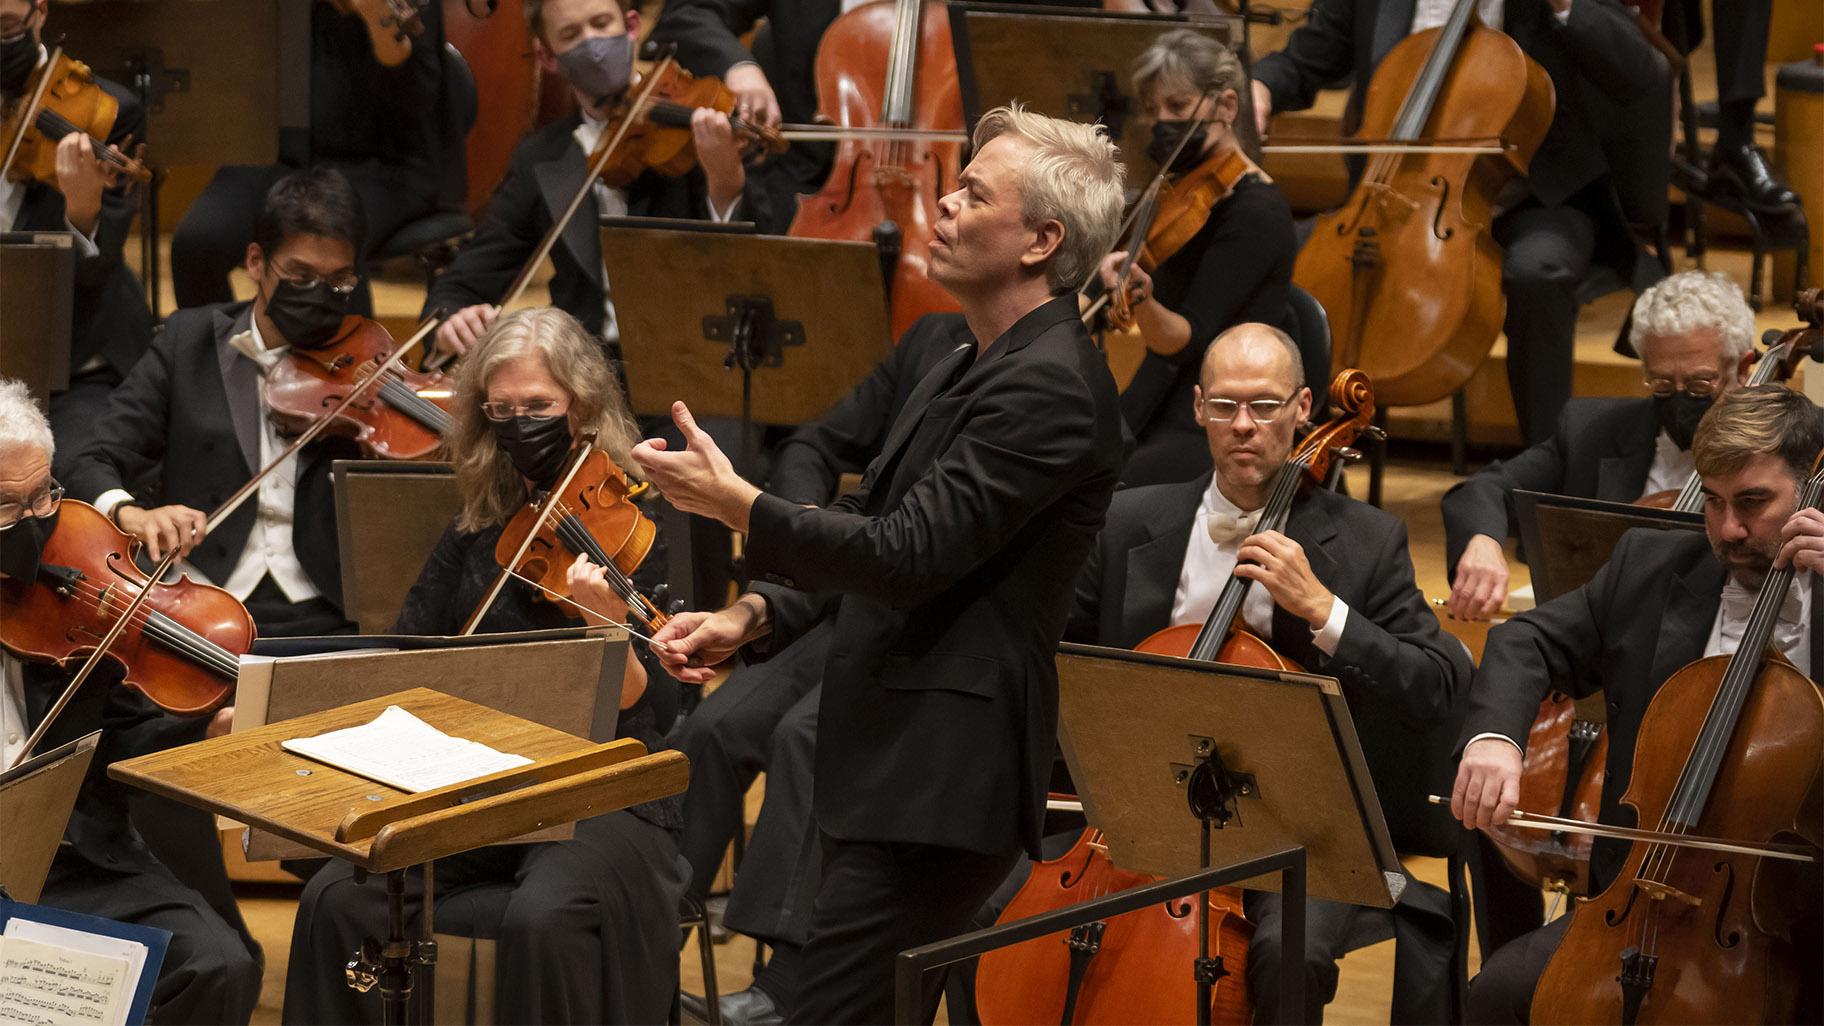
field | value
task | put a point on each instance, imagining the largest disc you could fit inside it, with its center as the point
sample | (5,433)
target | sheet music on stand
(60,968)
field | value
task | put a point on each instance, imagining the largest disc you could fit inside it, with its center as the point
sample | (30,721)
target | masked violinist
(1236,268)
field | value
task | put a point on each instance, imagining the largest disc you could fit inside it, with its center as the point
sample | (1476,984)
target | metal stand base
(404,969)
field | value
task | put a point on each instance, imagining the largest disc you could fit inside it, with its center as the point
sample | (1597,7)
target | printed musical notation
(46,985)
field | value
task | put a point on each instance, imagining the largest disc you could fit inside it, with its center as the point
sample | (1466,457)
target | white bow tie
(1738,604)
(1228,529)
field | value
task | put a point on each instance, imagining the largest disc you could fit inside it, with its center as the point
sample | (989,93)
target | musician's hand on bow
(1481,582)
(589,589)
(464,328)
(1488,783)
(81,177)
(164,529)
(1139,283)
(754,97)
(698,479)
(691,645)
(719,153)
(1279,564)
(1802,541)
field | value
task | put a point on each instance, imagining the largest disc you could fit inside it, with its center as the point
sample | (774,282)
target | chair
(434,237)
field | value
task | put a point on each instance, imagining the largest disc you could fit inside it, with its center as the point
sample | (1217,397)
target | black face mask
(536,445)
(307,317)
(18,56)
(22,544)
(1165,139)
(1679,413)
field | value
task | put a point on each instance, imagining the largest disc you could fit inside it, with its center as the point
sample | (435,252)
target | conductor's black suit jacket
(949,572)
(1401,674)
(191,411)
(1645,614)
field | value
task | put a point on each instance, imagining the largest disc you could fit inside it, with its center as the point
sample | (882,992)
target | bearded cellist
(1664,600)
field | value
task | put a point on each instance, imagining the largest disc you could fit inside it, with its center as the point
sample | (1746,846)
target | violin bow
(221,513)
(29,113)
(437,361)
(551,501)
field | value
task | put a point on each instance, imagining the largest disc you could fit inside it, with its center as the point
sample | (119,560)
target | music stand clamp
(755,339)
(1211,790)
(396,964)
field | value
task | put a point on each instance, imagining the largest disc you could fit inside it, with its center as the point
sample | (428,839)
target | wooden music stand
(1075,65)
(382,552)
(37,302)
(1568,538)
(36,797)
(247,776)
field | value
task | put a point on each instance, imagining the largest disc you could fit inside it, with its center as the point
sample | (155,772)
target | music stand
(36,797)
(382,552)
(1073,64)
(37,304)
(800,321)
(248,777)
(1568,538)
(1213,775)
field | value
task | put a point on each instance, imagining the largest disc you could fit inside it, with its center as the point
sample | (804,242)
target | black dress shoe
(750,1007)
(1743,172)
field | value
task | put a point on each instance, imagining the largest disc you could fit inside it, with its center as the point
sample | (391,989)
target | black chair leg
(697,917)
(1459,433)
(1377,459)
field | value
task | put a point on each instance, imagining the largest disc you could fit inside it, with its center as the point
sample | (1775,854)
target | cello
(1407,269)
(1730,748)
(889,65)
(1129,968)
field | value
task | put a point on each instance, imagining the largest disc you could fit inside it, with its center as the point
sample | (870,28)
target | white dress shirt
(13,727)
(1671,468)
(611,202)
(269,545)
(1208,564)
(1429,14)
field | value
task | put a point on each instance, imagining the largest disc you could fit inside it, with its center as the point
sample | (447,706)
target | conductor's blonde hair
(1073,179)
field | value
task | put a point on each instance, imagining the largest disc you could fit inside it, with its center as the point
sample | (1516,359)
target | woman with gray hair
(1236,268)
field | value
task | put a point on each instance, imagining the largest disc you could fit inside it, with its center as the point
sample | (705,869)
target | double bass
(1730,748)
(1407,268)
(1132,968)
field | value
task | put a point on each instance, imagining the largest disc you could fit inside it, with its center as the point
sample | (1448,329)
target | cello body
(1407,268)
(1565,754)
(1730,957)
(889,64)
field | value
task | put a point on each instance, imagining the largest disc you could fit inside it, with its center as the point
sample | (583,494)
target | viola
(659,138)
(889,65)
(1730,748)
(405,416)
(65,98)
(181,649)
(1407,269)
(589,512)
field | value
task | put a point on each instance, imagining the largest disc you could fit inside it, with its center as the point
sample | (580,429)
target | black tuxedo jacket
(191,408)
(544,173)
(1645,614)
(1603,449)
(811,461)
(1402,675)
(949,574)
(111,319)
(1598,62)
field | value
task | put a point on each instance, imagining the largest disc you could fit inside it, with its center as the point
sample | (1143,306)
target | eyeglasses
(1261,410)
(507,411)
(341,284)
(1701,387)
(42,504)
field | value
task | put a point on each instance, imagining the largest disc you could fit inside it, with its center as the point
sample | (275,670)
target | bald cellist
(1665,599)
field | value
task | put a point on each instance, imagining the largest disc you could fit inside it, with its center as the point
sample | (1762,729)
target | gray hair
(1207,65)
(1694,299)
(21,420)
(1075,179)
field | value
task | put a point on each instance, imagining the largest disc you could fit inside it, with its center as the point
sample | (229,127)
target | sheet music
(403,751)
(46,984)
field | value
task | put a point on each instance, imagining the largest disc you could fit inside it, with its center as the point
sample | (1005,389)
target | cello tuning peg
(1375,432)
(1352,455)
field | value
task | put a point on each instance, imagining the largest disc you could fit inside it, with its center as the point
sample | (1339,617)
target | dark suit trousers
(212,238)
(728,738)
(208,975)
(1740,28)
(1503,991)
(1548,254)
(780,873)
(589,932)
(1423,934)
(876,900)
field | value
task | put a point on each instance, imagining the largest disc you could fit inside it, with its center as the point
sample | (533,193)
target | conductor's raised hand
(699,478)
(691,645)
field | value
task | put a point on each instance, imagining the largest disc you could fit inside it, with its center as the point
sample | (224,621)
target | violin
(589,512)
(1407,269)
(182,649)
(65,99)
(405,417)
(391,24)
(1731,748)
(660,139)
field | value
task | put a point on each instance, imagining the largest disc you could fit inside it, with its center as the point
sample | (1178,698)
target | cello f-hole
(1438,231)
